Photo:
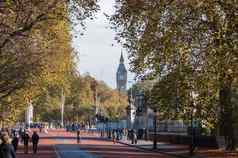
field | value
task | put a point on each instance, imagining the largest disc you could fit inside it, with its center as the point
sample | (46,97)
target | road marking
(72,151)
(56,152)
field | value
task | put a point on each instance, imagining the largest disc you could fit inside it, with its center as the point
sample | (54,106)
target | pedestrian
(6,148)
(132,136)
(128,133)
(114,135)
(78,136)
(35,140)
(117,134)
(135,137)
(20,133)
(40,127)
(15,141)
(25,139)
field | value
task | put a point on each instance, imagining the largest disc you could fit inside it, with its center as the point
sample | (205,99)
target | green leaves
(35,48)
(187,46)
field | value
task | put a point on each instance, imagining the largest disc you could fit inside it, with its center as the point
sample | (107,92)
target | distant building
(122,76)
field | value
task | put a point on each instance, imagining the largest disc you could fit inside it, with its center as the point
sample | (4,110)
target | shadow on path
(45,151)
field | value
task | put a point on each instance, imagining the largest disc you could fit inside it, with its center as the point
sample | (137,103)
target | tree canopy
(27,33)
(189,47)
(35,48)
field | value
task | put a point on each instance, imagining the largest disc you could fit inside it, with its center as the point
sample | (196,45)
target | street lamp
(155,115)
(193,112)
(155,129)
(193,144)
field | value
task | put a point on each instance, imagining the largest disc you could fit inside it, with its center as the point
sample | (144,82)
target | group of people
(25,137)
(132,135)
(72,127)
(10,140)
(117,134)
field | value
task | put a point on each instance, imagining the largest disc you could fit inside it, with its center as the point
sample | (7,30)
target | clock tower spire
(122,76)
(122,58)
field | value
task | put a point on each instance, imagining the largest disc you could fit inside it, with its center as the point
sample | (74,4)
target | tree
(87,94)
(35,51)
(21,20)
(195,38)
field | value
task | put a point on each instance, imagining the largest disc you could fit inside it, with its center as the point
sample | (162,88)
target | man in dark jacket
(35,139)
(6,148)
(78,136)
(26,138)
(15,141)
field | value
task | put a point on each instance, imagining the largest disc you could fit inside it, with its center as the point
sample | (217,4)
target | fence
(111,125)
(169,126)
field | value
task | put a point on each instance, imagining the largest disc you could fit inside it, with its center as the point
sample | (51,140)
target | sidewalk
(169,149)
(45,149)
(180,150)
(175,150)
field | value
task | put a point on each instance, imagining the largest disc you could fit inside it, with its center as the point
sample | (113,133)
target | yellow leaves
(9,2)
(196,4)
(9,98)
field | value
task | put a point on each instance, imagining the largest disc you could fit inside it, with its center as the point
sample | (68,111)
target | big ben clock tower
(122,76)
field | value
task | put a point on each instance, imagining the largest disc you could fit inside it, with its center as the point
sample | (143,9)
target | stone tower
(122,76)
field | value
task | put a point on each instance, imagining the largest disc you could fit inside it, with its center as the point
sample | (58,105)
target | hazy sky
(99,52)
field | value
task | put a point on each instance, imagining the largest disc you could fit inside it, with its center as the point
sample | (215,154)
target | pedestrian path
(72,151)
(62,144)
(93,146)
(161,146)
(180,150)
(45,151)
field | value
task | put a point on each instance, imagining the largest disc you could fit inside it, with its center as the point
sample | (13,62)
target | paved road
(64,144)
(93,147)
(61,144)
(72,151)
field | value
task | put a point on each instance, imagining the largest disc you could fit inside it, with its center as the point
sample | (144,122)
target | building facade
(122,76)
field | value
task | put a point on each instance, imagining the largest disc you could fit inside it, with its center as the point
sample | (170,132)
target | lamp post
(193,112)
(149,101)
(155,129)
(192,145)
(62,107)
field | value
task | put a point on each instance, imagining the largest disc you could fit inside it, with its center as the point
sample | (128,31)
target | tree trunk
(226,113)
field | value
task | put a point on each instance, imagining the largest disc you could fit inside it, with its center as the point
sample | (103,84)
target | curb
(152,150)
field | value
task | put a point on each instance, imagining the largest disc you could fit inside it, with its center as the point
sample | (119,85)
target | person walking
(132,136)
(78,136)
(114,135)
(21,134)
(135,137)
(40,127)
(35,140)
(6,148)
(26,138)
(15,141)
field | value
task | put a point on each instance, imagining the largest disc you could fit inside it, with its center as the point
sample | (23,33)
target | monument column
(29,114)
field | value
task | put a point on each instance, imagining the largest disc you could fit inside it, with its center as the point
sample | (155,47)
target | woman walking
(6,148)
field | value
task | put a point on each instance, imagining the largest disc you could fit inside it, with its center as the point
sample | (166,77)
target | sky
(99,53)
